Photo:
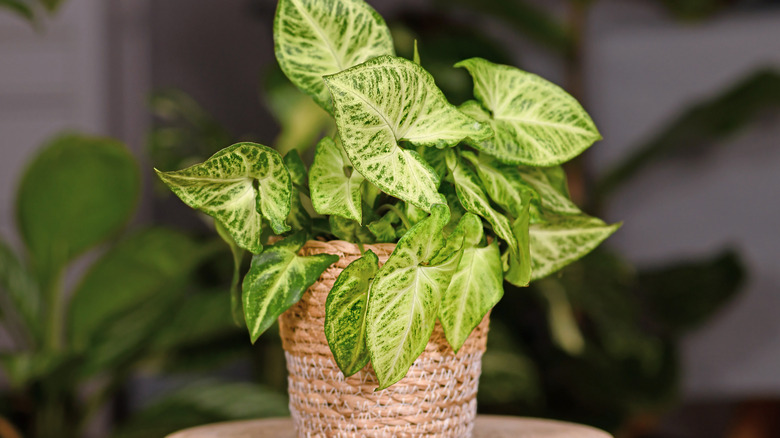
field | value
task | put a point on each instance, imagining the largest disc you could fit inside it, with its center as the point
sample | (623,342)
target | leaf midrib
(318,29)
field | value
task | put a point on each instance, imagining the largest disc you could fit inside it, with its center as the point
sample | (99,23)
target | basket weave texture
(437,398)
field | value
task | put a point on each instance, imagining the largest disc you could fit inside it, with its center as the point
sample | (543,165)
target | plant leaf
(476,286)
(277,279)
(520,266)
(503,183)
(313,39)
(550,185)
(19,293)
(297,170)
(203,401)
(561,240)
(235,186)
(474,200)
(236,308)
(76,193)
(384,228)
(20,8)
(405,296)
(144,264)
(535,122)
(345,314)
(349,230)
(387,100)
(335,185)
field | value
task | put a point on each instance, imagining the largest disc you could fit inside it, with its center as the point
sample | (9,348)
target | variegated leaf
(405,296)
(385,228)
(550,184)
(314,38)
(345,314)
(387,100)
(297,171)
(277,279)
(238,186)
(503,183)
(335,184)
(349,230)
(535,122)
(519,267)
(561,240)
(475,288)
(474,200)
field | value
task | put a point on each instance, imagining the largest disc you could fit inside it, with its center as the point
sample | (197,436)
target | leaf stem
(397,212)
(54,318)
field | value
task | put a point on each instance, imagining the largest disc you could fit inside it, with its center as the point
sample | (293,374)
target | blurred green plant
(140,301)
(32,10)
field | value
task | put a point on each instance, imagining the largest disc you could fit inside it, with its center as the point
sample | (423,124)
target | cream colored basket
(437,398)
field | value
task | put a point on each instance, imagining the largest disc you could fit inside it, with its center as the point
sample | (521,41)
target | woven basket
(437,398)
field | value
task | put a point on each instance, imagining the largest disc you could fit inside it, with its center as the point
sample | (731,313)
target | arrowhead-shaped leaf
(277,279)
(503,183)
(476,286)
(345,314)
(335,184)
(405,296)
(519,268)
(535,122)
(238,186)
(561,240)
(474,200)
(388,100)
(317,38)
(550,184)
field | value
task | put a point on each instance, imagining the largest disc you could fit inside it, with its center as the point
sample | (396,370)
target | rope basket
(437,398)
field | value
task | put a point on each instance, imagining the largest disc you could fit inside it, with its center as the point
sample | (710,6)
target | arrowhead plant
(472,195)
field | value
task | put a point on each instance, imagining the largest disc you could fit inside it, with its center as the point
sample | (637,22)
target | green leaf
(52,5)
(335,184)
(474,200)
(550,184)
(503,183)
(384,228)
(76,193)
(705,124)
(349,230)
(20,8)
(313,39)
(205,401)
(297,170)
(520,264)
(277,279)
(235,186)
(345,314)
(685,295)
(561,240)
(19,294)
(416,56)
(299,218)
(388,100)
(476,286)
(535,122)
(405,296)
(238,256)
(139,267)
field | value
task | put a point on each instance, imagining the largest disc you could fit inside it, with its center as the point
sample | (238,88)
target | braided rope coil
(437,398)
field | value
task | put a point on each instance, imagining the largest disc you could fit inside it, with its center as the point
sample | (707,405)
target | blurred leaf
(302,122)
(185,133)
(25,367)
(204,402)
(238,257)
(19,293)
(140,267)
(702,126)
(443,42)
(685,295)
(19,7)
(76,193)
(694,9)
(52,5)
(534,22)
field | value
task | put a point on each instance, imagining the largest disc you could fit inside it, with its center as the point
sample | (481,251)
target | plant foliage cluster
(473,195)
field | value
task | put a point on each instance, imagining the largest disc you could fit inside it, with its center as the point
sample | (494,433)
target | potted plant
(383,260)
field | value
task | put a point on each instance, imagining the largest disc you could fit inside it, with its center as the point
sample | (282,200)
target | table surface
(486,426)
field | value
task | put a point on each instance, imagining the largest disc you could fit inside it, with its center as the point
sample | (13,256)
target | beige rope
(437,398)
